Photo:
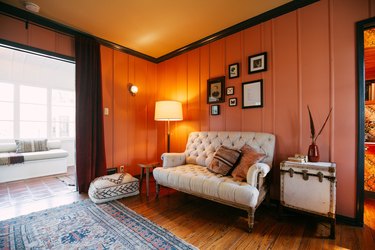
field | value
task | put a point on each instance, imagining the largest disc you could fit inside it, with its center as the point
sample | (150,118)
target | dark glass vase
(313,153)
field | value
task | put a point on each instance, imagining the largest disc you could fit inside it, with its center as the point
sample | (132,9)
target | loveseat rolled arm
(173,159)
(258,169)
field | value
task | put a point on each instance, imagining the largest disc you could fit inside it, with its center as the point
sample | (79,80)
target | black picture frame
(215,90)
(232,102)
(230,90)
(215,109)
(252,94)
(258,63)
(233,70)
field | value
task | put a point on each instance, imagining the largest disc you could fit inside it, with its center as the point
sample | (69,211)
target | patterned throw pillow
(24,146)
(224,160)
(248,158)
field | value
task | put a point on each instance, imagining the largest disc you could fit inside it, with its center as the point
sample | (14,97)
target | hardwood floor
(209,225)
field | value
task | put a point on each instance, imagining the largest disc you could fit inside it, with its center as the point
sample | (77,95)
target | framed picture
(215,90)
(233,70)
(230,91)
(252,94)
(258,63)
(215,109)
(232,102)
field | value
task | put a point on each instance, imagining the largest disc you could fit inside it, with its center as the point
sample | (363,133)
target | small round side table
(146,166)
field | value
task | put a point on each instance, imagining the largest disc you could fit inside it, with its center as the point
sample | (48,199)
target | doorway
(366,103)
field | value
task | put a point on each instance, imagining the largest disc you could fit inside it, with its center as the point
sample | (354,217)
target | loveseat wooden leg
(250,217)
(157,190)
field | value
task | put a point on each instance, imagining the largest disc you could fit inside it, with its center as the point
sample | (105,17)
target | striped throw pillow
(24,146)
(224,160)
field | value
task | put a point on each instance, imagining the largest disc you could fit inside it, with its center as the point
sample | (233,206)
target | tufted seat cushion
(112,187)
(197,179)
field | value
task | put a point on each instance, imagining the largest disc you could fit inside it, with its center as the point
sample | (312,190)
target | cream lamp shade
(168,111)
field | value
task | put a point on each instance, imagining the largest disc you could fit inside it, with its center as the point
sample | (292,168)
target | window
(33,112)
(37,97)
(63,113)
(7,110)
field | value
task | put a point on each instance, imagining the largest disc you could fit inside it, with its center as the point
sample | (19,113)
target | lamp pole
(168,138)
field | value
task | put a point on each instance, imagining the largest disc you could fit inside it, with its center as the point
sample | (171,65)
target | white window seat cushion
(43,155)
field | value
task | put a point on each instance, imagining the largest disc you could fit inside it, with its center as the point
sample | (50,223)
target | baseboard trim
(369,195)
(348,220)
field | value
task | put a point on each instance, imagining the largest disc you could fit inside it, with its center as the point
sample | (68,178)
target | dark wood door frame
(361,26)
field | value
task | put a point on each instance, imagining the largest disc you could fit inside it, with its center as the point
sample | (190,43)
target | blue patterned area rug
(85,225)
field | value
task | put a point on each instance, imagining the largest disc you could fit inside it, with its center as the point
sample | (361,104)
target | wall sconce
(133,89)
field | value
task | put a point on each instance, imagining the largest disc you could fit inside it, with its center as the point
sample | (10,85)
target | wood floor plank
(209,225)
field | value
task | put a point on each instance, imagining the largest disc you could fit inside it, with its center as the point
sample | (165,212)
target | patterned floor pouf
(112,187)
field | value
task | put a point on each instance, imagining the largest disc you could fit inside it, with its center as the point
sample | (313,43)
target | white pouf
(112,187)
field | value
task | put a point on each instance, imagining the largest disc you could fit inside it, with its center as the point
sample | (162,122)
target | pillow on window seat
(224,160)
(24,146)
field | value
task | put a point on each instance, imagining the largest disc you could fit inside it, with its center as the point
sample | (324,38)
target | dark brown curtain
(90,151)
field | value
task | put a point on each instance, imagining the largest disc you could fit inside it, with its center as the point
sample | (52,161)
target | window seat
(36,164)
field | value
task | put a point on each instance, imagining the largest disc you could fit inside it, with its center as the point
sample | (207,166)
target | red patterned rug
(86,225)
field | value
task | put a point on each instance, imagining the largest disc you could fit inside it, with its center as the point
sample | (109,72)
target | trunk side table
(311,188)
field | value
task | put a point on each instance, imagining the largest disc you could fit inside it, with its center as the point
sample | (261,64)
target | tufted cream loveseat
(187,171)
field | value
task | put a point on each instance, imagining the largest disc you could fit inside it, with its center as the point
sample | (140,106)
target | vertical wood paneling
(268,95)
(204,75)
(192,111)
(252,46)
(64,44)
(151,90)
(41,38)
(130,131)
(12,29)
(119,109)
(344,15)
(233,54)
(15,30)
(179,132)
(311,60)
(286,89)
(217,69)
(107,89)
(315,81)
(132,112)
(139,103)
(161,94)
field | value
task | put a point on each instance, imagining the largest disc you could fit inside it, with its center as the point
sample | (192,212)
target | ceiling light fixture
(32,7)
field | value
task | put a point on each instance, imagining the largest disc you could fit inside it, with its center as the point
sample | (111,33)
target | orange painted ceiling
(152,27)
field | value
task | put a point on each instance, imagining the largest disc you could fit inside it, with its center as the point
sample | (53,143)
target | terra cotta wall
(311,61)
(130,130)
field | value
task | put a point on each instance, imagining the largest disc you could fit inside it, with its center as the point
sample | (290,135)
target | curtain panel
(90,150)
